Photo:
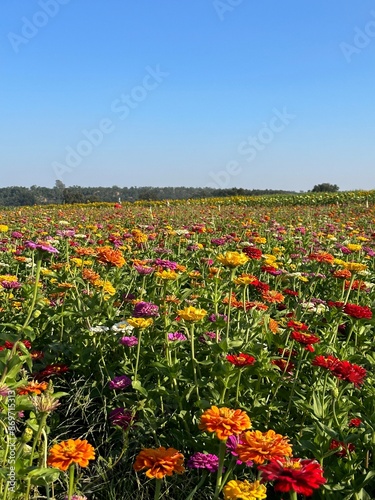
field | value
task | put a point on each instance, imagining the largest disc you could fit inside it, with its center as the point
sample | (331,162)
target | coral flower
(241,359)
(32,388)
(77,451)
(322,256)
(192,313)
(232,259)
(244,490)
(107,255)
(224,421)
(301,476)
(272,296)
(261,446)
(159,462)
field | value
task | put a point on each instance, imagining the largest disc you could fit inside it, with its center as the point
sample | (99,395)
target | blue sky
(224,93)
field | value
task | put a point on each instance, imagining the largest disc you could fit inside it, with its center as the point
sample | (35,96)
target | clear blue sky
(188,92)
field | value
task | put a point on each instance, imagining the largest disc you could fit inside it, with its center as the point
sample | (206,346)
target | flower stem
(219,477)
(138,354)
(157,489)
(35,292)
(193,359)
(71,482)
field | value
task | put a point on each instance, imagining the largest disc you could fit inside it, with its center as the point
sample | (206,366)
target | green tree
(326,187)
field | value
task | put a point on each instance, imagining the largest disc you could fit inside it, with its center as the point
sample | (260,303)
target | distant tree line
(60,194)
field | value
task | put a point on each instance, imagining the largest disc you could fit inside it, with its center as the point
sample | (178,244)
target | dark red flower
(350,372)
(301,476)
(358,312)
(253,252)
(355,422)
(332,303)
(343,448)
(343,370)
(287,291)
(50,371)
(241,359)
(283,365)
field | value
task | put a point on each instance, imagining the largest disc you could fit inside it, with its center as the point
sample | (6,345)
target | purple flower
(218,241)
(120,382)
(129,341)
(17,235)
(121,417)
(208,336)
(41,246)
(144,270)
(193,247)
(369,251)
(166,264)
(204,461)
(10,285)
(231,445)
(66,233)
(4,390)
(128,297)
(213,318)
(176,336)
(145,310)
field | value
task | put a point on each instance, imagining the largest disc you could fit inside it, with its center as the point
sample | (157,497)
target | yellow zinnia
(354,266)
(232,259)
(192,313)
(140,322)
(244,490)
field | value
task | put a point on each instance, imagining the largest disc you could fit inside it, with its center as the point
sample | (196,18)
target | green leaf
(138,387)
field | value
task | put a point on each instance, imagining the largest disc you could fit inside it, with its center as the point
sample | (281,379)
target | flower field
(210,349)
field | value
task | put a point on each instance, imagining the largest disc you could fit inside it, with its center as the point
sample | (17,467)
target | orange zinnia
(90,275)
(322,256)
(32,388)
(107,255)
(77,451)
(224,422)
(159,462)
(273,296)
(261,446)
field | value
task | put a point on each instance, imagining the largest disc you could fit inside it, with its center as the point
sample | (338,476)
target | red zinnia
(253,252)
(358,312)
(355,422)
(301,476)
(342,447)
(304,338)
(241,359)
(297,325)
(350,372)
(343,370)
